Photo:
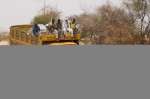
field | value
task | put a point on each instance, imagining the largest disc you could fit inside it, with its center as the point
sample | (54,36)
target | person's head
(36,25)
(73,20)
(59,21)
(66,21)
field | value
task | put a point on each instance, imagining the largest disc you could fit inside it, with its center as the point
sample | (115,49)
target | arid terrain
(4,42)
(4,38)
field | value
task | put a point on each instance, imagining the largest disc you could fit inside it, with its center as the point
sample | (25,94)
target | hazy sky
(22,11)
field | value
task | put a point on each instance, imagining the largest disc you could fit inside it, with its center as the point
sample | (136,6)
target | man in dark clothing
(59,27)
(36,29)
(52,26)
(59,24)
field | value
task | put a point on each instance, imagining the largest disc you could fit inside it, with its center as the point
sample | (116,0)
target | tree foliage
(47,16)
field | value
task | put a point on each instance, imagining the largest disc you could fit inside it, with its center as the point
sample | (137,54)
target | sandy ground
(4,42)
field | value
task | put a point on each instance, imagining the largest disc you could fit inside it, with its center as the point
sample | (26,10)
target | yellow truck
(20,35)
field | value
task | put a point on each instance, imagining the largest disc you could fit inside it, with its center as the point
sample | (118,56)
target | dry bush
(109,25)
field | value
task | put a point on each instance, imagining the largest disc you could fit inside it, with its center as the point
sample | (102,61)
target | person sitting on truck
(35,29)
(65,26)
(74,26)
(51,27)
(59,27)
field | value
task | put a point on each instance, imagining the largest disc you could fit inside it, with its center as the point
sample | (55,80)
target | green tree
(47,16)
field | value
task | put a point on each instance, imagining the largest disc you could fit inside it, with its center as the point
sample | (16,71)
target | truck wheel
(77,42)
(11,42)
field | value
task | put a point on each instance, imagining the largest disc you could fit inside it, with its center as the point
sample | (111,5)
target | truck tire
(77,42)
(10,42)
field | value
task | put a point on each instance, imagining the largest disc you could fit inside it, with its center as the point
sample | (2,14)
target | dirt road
(4,43)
